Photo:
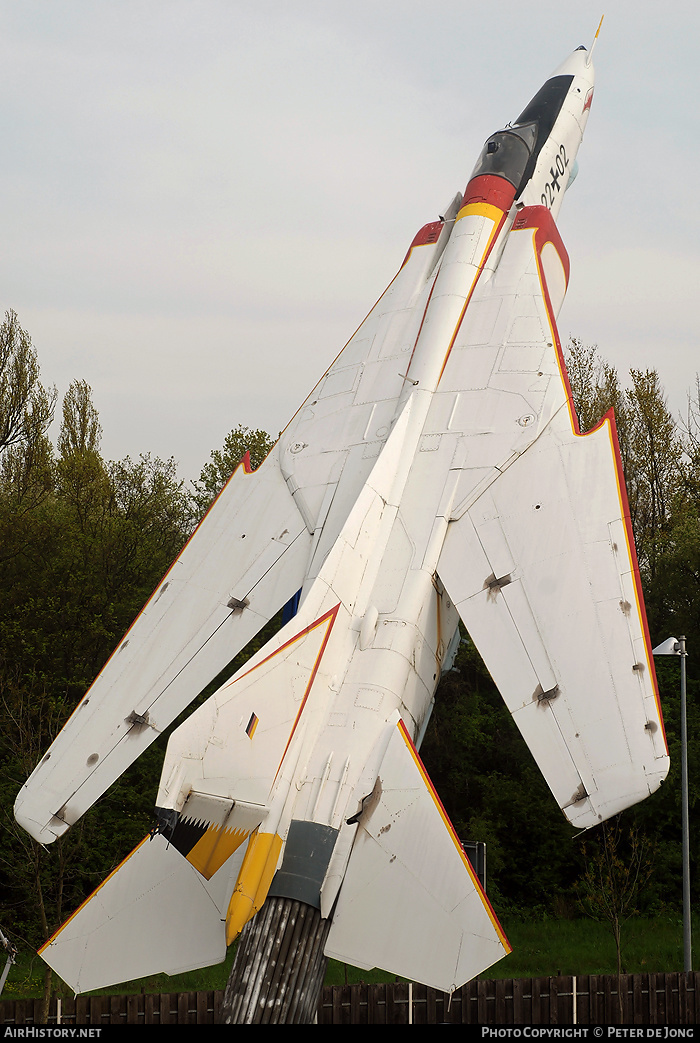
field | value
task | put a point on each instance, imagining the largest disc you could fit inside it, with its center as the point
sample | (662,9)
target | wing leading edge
(219,592)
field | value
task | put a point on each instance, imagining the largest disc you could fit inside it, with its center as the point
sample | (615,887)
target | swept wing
(266,533)
(539,555)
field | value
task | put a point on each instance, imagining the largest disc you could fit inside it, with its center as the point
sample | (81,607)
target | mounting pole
(672,647)
(11,951)
(687,945)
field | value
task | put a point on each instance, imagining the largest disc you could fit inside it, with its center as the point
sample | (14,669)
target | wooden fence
(647,999)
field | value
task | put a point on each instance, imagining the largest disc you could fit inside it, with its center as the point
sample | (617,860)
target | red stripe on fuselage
(540,218)
(490,188)
(426,236)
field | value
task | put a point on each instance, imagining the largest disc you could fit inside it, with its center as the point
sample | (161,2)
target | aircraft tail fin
(409,878)
(154,913)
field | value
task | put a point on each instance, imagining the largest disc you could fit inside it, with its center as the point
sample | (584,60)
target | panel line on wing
(245,465)
(381,297)
(545,702)
(175,676)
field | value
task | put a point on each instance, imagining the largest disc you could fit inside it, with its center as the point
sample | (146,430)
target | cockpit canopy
(512,153)
(507,152)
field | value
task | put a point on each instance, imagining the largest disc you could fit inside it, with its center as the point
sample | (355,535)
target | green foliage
(651,445)
(223,462)
(493,791)
(83,543)
(618,867)
(26,407)
(661,460)
(487,780)
(542,946)
(547,946)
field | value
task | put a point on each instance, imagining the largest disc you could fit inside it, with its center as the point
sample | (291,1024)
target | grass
(551,947)
(540,949)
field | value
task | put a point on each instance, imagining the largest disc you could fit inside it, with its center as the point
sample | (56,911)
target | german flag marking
(327,620)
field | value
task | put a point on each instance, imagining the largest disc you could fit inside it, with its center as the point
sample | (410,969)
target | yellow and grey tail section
(209,829)
(410,901)
(307,852)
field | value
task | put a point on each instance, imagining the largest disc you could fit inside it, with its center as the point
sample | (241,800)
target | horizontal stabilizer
(155,913)
(410,901)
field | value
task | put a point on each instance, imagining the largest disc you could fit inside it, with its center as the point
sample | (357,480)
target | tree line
(84,541)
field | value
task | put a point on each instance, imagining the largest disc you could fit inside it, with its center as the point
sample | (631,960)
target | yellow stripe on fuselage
(481,210)
(254,879)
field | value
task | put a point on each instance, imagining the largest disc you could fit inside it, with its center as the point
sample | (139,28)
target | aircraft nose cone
(577,64)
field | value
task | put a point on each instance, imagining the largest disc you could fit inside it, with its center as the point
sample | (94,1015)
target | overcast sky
(201,200)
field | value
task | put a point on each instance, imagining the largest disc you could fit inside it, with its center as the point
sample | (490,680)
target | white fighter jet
(436,472)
